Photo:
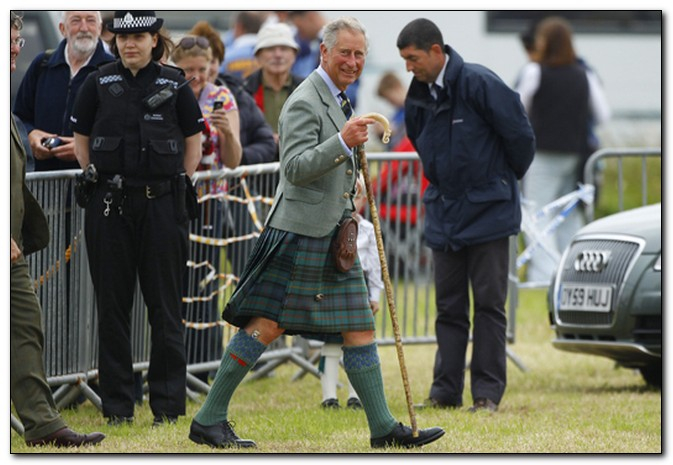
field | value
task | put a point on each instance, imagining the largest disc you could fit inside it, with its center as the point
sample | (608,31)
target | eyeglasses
(19,42)
(190,42)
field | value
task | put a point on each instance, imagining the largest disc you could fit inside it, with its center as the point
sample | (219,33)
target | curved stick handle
(384,268)
(384,122)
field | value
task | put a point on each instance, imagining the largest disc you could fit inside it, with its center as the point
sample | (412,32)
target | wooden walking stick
(384,265)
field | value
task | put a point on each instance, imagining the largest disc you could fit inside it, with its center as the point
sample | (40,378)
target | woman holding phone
(193,55)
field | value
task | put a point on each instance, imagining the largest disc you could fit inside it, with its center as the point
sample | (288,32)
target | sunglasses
(190,42)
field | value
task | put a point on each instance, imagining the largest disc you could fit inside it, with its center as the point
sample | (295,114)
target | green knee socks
(361,364)
(364,372)
(240,356)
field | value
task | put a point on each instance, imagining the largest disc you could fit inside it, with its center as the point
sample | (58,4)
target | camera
(51,142)
(217,105)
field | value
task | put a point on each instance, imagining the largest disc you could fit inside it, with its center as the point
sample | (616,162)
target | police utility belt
(86,182)
(89,179)
(151,191)
(118,187)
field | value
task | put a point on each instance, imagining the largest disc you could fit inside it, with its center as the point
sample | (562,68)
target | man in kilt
(291,284)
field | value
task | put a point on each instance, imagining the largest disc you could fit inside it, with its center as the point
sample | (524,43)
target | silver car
(605,298)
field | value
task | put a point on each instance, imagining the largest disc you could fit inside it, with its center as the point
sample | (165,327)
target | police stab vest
(129,139)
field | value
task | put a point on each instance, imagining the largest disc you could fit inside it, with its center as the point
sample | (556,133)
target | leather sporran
(345,244)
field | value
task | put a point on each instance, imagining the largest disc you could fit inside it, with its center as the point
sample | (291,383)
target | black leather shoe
(219,435)
(65,437)
(161,420)
(402,436)
(434,403)
(354,403)
(483,404)
(330,403)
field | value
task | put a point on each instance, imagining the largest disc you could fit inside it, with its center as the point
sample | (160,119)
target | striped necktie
(346,105)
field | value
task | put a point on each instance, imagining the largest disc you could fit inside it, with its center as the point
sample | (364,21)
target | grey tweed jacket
(316,178)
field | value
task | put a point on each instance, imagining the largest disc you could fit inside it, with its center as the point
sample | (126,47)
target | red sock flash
(240,362)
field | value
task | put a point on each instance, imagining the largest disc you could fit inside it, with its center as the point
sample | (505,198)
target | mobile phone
(217,105)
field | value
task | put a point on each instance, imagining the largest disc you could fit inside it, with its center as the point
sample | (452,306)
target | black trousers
(146,240)
(484,267)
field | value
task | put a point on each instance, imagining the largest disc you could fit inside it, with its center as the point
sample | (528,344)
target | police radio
(162,95)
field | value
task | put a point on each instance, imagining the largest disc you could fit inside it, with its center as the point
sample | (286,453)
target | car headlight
(657,264)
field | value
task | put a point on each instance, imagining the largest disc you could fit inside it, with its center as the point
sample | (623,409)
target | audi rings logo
(592,261)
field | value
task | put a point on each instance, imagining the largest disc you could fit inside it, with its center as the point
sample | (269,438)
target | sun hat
(127,22)
(273,35)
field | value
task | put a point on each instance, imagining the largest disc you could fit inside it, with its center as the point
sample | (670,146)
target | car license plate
(584,297)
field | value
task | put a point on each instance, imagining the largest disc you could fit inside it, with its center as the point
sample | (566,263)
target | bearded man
(48,89)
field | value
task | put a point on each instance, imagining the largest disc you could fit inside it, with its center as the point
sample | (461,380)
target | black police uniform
(136,225)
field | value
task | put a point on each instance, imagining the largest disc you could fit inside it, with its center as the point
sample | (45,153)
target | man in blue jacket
(48,89)
(475,142)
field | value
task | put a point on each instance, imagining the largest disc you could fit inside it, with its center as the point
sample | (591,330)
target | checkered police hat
(126,22)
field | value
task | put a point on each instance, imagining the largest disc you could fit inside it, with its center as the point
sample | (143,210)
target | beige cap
(273,35)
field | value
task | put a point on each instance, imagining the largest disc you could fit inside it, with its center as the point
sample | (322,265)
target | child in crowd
(371,265)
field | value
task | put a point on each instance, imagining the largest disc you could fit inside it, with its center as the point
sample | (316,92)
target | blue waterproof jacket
(475,142)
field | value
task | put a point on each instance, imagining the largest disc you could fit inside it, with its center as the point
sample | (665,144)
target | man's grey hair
(64,15)
(345,23)
(16,20)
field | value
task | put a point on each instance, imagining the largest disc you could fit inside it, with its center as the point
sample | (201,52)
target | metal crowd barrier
(233,206)
(63,286)
(592,171)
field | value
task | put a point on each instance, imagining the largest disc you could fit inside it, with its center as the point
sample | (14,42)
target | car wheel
(652,375)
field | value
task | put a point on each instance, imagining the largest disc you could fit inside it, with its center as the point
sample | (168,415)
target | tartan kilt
(292,279)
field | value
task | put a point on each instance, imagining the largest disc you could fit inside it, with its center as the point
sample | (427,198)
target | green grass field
(563,403)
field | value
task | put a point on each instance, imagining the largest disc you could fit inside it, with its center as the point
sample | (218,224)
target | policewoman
(138,134)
